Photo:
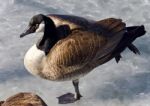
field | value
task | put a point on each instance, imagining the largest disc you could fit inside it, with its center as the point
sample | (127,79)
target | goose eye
(37,25)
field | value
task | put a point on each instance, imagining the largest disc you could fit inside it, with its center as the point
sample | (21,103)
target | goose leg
(69,97)
(76,86)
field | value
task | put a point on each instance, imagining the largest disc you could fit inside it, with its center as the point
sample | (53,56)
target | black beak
(30,30)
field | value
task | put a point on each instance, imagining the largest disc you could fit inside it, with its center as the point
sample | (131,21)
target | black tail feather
(134,49)
(131,34)
(135,31)
(118,57)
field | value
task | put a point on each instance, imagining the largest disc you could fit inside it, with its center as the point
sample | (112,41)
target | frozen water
(123,84)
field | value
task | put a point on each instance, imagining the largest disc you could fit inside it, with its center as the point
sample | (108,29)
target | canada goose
(72,46)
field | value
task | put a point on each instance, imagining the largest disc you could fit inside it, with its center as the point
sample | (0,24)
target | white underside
(33,60)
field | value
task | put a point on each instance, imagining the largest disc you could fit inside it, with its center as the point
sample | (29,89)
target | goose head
(42,23)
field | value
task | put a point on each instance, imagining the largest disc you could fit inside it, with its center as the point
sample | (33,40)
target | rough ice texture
(123,84)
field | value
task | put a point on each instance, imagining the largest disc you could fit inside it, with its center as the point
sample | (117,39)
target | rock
(1,102)
(24,99)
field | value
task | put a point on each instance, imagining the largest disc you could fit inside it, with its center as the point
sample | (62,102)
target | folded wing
(83,47)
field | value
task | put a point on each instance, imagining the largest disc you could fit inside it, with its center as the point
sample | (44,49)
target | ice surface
(123,84)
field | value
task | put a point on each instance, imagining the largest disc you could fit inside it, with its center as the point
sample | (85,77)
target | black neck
(50,36)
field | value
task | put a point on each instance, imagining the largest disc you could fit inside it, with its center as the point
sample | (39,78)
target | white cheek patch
(41,27)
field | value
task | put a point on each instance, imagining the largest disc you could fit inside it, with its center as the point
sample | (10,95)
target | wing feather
(112,24)
(82,47)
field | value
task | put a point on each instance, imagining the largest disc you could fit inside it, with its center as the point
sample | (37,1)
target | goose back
(83,50)
(70,20)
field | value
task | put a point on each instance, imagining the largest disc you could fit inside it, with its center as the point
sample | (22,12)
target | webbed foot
(68,98)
